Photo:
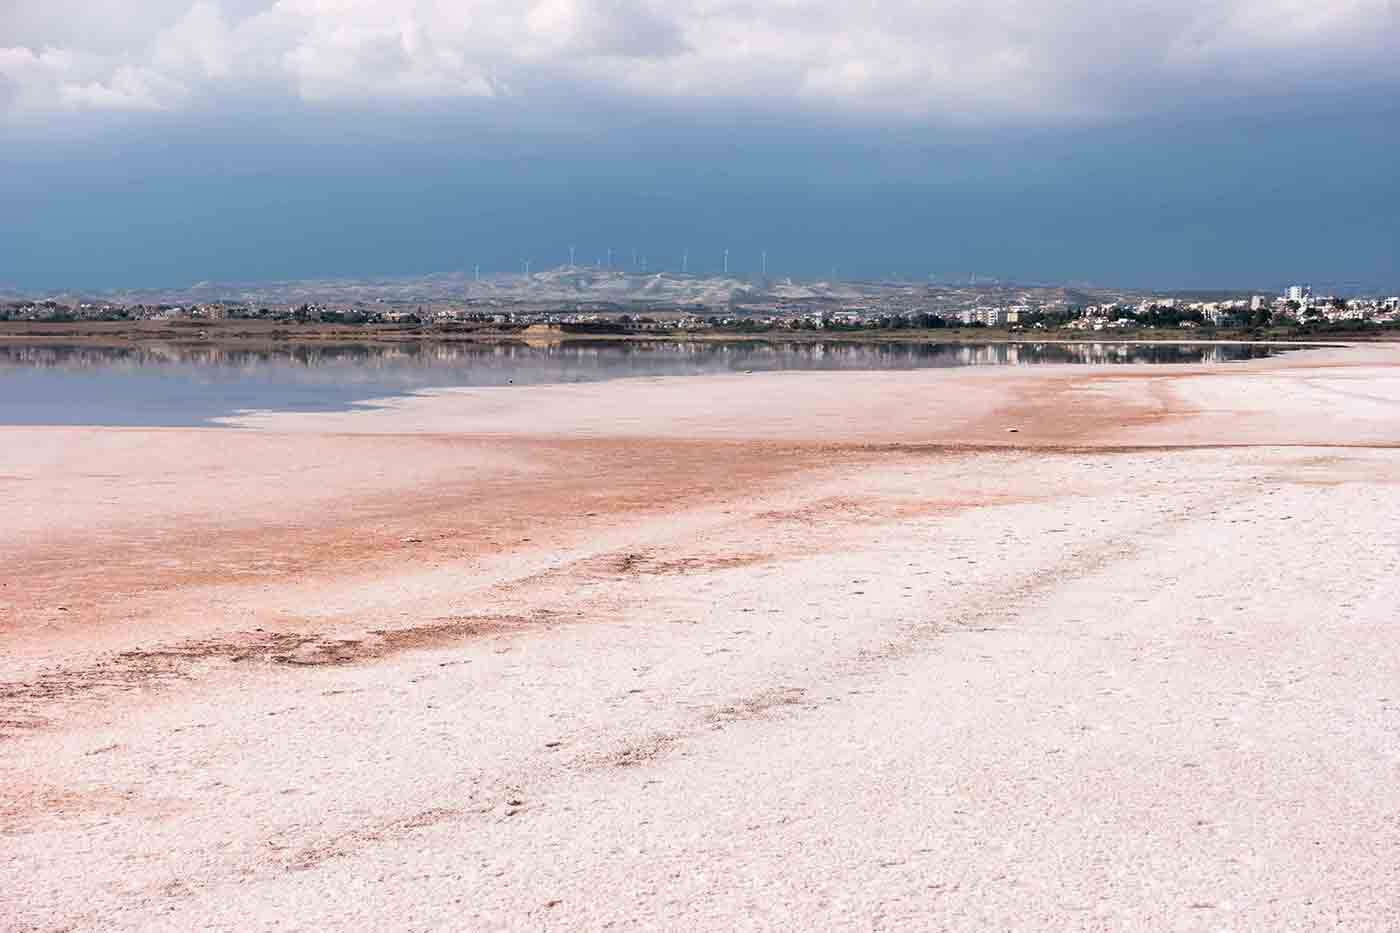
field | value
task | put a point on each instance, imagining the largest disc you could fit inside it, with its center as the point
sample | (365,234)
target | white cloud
(995,60)
(200,41)
(128,88)
(48,78)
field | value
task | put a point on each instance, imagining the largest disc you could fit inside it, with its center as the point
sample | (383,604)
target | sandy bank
(786,651)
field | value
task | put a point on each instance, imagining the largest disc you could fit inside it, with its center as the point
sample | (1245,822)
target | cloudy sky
(1185,144)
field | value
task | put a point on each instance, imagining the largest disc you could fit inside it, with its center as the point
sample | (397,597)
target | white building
(992,317)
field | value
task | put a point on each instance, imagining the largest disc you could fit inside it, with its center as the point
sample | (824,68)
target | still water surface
(183,385)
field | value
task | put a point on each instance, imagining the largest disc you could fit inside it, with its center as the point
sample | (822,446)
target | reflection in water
(182,385)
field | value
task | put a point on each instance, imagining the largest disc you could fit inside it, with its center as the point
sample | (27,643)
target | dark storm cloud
(1196,143)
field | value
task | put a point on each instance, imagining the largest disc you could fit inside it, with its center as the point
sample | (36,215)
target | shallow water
(182,385)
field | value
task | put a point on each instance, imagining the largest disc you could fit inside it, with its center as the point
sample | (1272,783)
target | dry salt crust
(778,652)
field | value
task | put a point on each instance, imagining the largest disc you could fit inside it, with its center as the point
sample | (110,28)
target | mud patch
(649,748)
(837,510)
(319,651)
(638,752)
(21,803)
(31,704)
(1326,472)
(758,706)
(639,563)
(302,858)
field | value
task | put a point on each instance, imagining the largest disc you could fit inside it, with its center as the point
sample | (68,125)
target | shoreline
(268,334)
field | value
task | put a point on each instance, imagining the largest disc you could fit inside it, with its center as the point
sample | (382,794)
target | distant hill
(588,285)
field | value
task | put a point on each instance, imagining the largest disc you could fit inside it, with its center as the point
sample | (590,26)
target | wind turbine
(726,262)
